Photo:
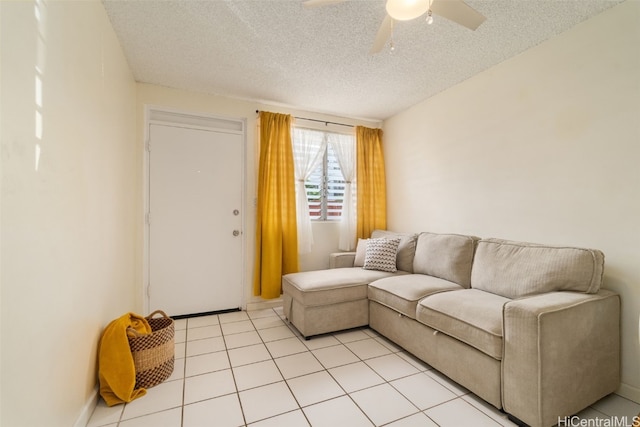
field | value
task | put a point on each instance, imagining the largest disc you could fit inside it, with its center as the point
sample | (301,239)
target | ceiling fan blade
(316,3)
(458,12)
(384,32)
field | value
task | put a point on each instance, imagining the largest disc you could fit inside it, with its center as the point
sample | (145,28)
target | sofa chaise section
(322,301)
(317,302)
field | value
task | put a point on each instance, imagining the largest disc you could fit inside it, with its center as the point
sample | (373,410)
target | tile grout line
(273,359)
(371,335)
(233,374)
(184,372)
(325,369)
(387,382)
(359,360)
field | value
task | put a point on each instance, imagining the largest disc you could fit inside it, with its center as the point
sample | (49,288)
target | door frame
(154,114)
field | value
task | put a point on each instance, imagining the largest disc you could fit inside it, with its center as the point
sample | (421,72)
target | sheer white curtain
(308,150)
(344,146)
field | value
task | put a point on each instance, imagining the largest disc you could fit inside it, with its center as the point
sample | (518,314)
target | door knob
(236,233)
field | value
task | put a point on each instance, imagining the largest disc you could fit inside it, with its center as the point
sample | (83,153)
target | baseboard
(261,305)
(206,313)
(87,409)
(629,392)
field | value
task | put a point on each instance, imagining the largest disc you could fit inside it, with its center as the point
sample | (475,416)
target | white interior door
(195,220)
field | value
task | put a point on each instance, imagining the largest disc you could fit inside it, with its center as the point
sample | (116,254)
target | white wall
(181,100)
(544,147)
(68,231)
(326,235)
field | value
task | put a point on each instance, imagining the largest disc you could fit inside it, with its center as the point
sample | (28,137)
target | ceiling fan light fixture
(405,10)
(429,17)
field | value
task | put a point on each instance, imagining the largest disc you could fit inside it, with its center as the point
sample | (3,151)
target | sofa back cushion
(447,256)
(518,269)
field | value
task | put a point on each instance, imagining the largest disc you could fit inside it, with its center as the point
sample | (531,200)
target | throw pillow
(361,251)
(406,248)
(381,254)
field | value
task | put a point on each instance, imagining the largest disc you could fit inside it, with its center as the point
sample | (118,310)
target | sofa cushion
(323,287)
(447,256)
(402,293)
(381,254)
(517,269)
(469,315)
(406,248)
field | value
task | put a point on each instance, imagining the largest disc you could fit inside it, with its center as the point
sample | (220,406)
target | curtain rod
(319,121)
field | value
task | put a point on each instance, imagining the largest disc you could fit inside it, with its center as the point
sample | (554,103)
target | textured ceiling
(317,59)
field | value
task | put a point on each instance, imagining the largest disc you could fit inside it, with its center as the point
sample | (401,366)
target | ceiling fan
(404,10)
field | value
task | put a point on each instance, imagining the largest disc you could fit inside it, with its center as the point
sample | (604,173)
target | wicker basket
(154,353)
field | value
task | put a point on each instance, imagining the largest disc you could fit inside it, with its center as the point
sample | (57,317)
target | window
(325,186)
(325,189)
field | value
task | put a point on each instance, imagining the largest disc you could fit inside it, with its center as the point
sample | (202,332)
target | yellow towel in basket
(116,371)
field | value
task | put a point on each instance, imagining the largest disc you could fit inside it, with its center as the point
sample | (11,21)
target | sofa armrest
(341,259)
(561,354)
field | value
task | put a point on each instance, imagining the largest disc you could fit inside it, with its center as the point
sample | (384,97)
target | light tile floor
(253,369)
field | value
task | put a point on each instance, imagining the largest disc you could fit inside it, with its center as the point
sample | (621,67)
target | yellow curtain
(371,182)
(276,230)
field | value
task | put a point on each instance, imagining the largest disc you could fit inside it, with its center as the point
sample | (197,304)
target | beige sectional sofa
(526,327)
